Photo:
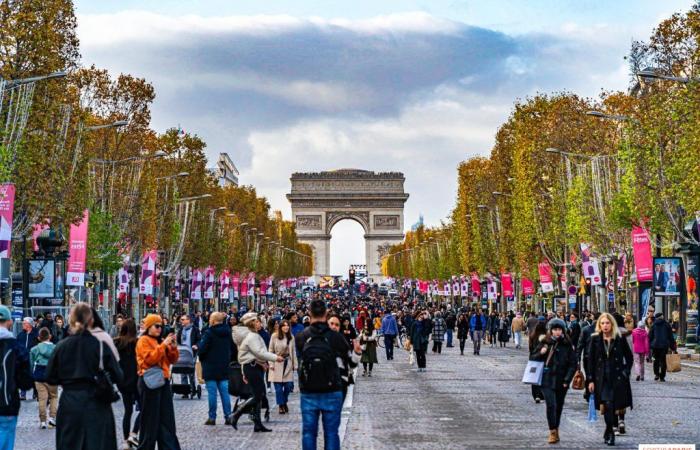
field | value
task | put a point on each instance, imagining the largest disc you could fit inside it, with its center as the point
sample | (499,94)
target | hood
(239,333)
(639,332)
(220,330)
(5,333)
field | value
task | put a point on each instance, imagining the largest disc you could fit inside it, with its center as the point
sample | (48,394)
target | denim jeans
(8,424)
(449,337)
(517,338)
(329,405)
(222,387)
(282,391)
(389,345)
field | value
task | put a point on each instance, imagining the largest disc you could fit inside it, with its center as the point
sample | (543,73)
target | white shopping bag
(533,372)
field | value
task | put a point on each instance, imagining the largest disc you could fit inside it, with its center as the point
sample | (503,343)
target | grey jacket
(251,346)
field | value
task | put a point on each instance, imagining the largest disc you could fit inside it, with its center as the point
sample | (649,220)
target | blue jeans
(8,424)
(282,391)
(449,337)
(329,405)
(212,387)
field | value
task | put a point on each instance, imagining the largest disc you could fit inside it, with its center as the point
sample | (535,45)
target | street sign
(611,297)
(572,290)
(17,300)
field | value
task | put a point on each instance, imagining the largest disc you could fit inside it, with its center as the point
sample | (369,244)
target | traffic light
(588,286)
(351,276)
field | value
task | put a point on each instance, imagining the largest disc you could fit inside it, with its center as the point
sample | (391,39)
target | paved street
(460,402)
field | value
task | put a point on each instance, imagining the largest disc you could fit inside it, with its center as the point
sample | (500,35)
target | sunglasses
(158,325)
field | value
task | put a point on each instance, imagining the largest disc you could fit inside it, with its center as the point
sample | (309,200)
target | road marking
(345,417)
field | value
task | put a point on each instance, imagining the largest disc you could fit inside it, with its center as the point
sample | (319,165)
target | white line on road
(347,406)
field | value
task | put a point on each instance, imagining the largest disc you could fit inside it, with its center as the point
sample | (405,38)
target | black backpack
(319,371)
(8,389)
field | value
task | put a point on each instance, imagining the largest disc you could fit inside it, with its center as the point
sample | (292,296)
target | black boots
(259,427)
(609,436)
(239,412)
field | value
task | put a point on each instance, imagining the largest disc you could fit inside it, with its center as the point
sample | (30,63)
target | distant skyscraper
(225,171)
(417,224)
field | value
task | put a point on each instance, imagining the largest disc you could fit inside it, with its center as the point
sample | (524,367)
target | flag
(235,282)
(641,247)
(545,277)
(528,286)
(123,276)
(148,272)
(507,284)
(448,289)
(209,281)
(620,266)
(75,272)
(7,205)
(491,288)
(476,285)
(196,284)
(224,285)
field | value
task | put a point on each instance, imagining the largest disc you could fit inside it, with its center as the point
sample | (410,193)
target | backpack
(319,371)
(8,388)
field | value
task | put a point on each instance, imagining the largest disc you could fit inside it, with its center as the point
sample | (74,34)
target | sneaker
(42,425)
(621,427)
(52,423)
(210,422)
(133,439)
(369,374)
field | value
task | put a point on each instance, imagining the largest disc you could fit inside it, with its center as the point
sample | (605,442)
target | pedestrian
(660,341)
(675,324)
(503,330)
(155,354)
(492,326)
(390,330)
(323,351)
(531,322)
(450,322)
(97,329)
(536,336)
(368,343)
(517,327)
(438,332)
(114,332)
(126,346)
(348,331)
(418,336)
(574,329)
(296,326)
(629,322)
(253,358)
(462,331)
(39,358)
(189,336)
(83,421)
(281,374)
(556,350)
(27,339)
(478,325)
(15,374)
(215,348)
(347,364)
(583,345)
(640,348)
(609,366)
(60,329)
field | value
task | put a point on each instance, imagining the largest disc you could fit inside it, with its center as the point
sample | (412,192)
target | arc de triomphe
(375,200)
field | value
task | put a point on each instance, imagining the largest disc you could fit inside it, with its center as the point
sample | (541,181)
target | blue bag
(592,415)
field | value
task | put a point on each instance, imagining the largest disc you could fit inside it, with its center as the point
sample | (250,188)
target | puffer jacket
(41,353)
(251,346)
(640,341)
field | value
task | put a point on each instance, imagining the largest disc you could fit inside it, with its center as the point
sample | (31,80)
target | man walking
(27,339)
(390,329)
(322,352)
(450,322)
(517,327)
(189,336)
(14,374)
(477,324)
(660,340)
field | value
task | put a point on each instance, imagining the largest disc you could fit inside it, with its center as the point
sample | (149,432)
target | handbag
(153,377)
(673,362)
(535,369)
(105,390)
(592,414)
(578,381)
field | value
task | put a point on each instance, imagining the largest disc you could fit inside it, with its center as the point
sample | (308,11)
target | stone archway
(375,200)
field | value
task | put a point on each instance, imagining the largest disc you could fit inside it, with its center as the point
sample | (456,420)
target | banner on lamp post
(476,285)
(123,276)
(528,286)
(209,282)
(196,284)
(235,284)
(507,285)
(148,272)
(491,288)
(641,247)
(7,206)
(75,272)
(545,272)
(224,285)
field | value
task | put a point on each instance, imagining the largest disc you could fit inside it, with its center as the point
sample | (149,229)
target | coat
(369,354)
(640,341)
(14,364)
(473,324)
(621,361)
(282,372)
(562,363)
(574,332)
(661,336)
(518,325)
(195,337)
(215,350)
(503,330)
(150,353)
(492,324)
(83,422)
(438,329)
(419,334)
(127,362)
(463,329)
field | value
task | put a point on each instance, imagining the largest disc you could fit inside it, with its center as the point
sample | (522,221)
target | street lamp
(117,124)
(553,150)
(658,76)
(177,175)
(602,115)
(53,75)
(196,197)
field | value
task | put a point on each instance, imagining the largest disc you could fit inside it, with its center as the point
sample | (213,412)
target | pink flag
(507,284)
(196,285)
(545,277)
(209,280)
(75,272)
(123,276)
(224,284)
(235,282)
(148,272)
(641,246)
(7,206)
(476,285)
(528,286)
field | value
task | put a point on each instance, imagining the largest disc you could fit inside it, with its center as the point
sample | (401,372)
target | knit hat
(150,320)
(641,324)
(5,313)
(249,317)
(556,323)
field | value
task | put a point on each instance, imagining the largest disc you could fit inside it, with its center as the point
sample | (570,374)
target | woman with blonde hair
(610,362)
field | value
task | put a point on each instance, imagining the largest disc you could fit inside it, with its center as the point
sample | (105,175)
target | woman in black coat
(126,346)
(462,331)
(419,333)
(559,356)
(83,422)
(215,349)
(608,375)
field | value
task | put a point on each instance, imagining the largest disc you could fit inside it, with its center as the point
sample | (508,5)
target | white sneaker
(52,423)
(133,440)
(43,425)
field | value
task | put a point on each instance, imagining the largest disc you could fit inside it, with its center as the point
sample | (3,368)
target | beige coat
(518,324)
(278,373)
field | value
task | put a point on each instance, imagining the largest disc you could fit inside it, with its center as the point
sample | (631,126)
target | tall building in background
(225,171)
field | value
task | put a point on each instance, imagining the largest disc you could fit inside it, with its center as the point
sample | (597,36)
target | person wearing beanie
(660,340)
(557,353)
(640,348)
(157,412)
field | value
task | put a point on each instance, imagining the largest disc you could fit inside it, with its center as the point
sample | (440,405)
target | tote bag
(533,372)
(673,362)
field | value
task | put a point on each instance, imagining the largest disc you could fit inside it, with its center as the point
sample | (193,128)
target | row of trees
(566,170)
(87,143)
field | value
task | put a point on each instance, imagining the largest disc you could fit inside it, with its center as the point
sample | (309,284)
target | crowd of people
(317,342)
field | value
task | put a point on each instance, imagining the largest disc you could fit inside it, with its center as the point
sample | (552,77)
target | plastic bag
(592,414)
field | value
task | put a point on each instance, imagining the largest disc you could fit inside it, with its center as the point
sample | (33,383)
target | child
(640,347)
(39,359)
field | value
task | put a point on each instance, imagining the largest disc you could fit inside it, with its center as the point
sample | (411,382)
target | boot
(259,427)
(556,434)
(552,437)
(239,412)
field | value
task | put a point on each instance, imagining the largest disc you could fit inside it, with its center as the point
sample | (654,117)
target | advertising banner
(641,247)
(148,272)
(667,276)
(465,287)
(224,285)
(209,280)
(235,284)
(545,272)
(75,272)
(455,288)
(123,277)
(448,289)
(476,285)
(507,284)
(251,284)
(492,289)
(196,284)
(7,205)
(528,286)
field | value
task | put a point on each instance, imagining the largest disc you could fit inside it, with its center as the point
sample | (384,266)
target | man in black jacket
(583,347)
(450,322)
(660,340)
(574,329)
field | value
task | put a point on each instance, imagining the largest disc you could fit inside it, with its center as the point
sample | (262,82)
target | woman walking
(418,335)
(215,349)
(126,346)
(281,374)
(39,359)
(559,357)
(503,330)
(610,364)
(347,330)
(154,355)
(492,325)
(462,331)
(253,358)
(438,332)
(534,339)
(83,422)
(368,341)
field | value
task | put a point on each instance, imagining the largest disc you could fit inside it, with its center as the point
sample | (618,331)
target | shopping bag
(592,414)
(578,381)
(673,362)
(533,372)
(198,372)
(411,358)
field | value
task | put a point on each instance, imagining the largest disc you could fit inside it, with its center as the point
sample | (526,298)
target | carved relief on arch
(333,217)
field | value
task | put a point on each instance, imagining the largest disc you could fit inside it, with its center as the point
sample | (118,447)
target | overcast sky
(390,85)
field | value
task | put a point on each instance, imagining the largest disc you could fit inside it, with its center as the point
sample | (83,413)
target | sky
(390,85)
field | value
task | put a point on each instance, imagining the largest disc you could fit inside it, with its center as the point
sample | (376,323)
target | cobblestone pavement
(461,402)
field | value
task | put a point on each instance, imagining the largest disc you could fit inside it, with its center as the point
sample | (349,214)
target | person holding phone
(281,373)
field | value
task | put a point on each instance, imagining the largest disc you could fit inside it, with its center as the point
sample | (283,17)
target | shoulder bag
(153,377)
(105,390)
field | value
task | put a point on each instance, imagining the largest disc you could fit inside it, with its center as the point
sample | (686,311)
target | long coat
(419,334)
(620,358)
(215,350)
(369,354)
(562,363)
(463,329)
(282,372)
(439,329)
(503,330)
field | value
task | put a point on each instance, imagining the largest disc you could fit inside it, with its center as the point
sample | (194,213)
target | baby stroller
(241,390)
(185,366)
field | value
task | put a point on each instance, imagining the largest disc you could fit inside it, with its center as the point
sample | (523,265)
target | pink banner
(148,272)
(528,286)
(224,284)
(545,277)
(235,283)
(476,285)
(641,246)
(7,206)
(209,280)
(75,272)
(196,284)
(507,284)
